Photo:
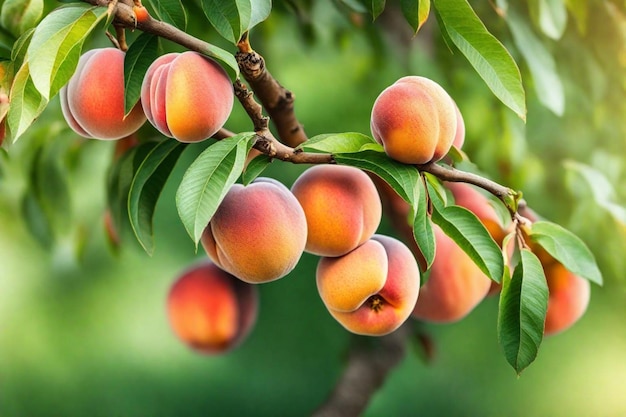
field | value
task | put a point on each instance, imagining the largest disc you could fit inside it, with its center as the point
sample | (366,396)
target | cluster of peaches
(370,283)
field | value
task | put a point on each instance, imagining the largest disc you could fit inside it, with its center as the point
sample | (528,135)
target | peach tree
(157,67)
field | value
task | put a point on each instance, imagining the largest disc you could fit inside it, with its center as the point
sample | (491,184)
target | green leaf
(602,191)
(541,64)
(579,10)
(56,45)
(401,177)
(377,7)
(26,103)
(338,142)
(471,235)
(146,188)
(230,18)
(255,168)
(522,311)
(172,12)
(17,16)
(567,248)
(415,12)
(224,56)
(140,55)
(422,227)
(487,55)
(36,221)
(208,179)
(261,10)
(550,16)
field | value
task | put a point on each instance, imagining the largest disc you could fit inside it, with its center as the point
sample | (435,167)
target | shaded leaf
(145,189)
(26,103)
(255,168)
(17,16)
(522,311)
(140,55)
(172,12)
(467,231)
(422,227)
(229,18)
(550,16)
(415,12)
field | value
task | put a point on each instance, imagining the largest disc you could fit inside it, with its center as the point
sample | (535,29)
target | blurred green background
(83,329)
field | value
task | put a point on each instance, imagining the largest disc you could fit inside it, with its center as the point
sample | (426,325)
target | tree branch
(370,361)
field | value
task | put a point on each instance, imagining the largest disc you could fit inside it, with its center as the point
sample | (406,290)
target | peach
(258,232)
(372,289)
(341,205)
(455,285)
(415,120)
(187,96)
(459,136)
(211,310)
(92,101)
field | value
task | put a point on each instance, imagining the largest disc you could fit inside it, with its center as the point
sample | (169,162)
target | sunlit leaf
(17,16)
(208,179)
(337,142)
(422,227)
(415,12)
(56,45)
(550,16)
(487,55)
(26,103)
(567,248)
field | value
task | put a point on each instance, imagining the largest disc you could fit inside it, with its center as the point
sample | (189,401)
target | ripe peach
(92,101)
(341,205)
(187,96)
(372,289)
(211,310)
(568,298)
(415,120)
(455,285)
(258,232)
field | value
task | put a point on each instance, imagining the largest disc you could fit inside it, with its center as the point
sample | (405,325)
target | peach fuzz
(210,310)
(92,102)
(415,120)
(187,96)
(258,232)
(455,285)
(372,289)
(568,298)
(342,208)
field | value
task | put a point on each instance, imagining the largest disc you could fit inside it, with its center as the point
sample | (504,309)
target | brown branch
(369,363)
(276,99)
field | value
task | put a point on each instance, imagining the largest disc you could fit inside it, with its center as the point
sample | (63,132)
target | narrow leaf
(208,179)
(567,248)
(415,12)
(422,227)
(56,45)
(337,142)
(541,64)
(172,12)
(522,311)
(401,177)
(229,18)
(255,168)
(377,7)
(26,103)
(146,188)
(487,55)
(471,235)
(17,16)
(550,16)
(140,55)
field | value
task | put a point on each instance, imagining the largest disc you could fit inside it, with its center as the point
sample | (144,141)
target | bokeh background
(83,329)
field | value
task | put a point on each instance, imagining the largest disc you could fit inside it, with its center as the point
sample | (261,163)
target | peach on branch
(92,101)
(568,298)
(342,208)
(371,290)
(211,310)
(415,120)
(258,232)
(455,285)
(187,96)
